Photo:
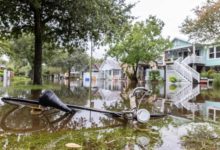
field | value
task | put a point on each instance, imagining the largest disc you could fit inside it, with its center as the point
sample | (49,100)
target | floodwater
(191,121)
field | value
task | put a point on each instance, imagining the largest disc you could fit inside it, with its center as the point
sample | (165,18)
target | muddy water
(193,113)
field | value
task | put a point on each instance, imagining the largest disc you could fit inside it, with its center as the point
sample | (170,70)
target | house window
(180,54)
(197,52)
(116,72)
(218,52)
(211,52)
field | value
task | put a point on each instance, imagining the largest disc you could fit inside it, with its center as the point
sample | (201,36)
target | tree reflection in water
(19,119)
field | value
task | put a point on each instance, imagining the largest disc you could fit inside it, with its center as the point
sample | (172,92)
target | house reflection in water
(109,92)
(187,98)
(210,108)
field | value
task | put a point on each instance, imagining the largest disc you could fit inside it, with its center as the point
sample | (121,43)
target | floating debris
(36,110)
(73,145)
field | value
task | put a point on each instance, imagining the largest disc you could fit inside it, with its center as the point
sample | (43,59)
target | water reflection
(22,119)
(182,100)
(109,97)
(189,101)
(18,119)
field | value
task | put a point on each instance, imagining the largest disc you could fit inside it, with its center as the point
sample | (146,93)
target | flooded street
(191,121)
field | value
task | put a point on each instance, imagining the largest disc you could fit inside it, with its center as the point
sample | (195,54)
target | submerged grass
(34,87)
(113,138)
(202,137)
(24,83)
(119,137)
(216,81)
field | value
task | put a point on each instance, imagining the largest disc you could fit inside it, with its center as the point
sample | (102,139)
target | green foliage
(23,71)
(16,79)
(172,87)
(116,138)
(141,42)
(63,61)
(4,47)
(204,74)
(65,23)
(216,81)
(202,137)
(76,19)
(1,73)
(205,26)
(209,74)
(212,94)
(154,75)
(51,70)
(173,79)
(22,49)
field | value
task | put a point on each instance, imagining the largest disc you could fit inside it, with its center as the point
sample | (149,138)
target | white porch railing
(191,59)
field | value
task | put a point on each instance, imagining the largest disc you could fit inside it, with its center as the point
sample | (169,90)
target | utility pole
(90,79)
(90,65)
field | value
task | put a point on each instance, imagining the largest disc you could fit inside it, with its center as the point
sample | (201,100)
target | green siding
(177,43)
(204,52)
(210,61)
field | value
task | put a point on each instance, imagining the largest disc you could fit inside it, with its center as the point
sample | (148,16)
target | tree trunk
(38,47)
(69,70)
(134,76)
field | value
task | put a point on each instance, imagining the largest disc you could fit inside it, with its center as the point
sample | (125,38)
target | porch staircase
(181,68)
(182,97)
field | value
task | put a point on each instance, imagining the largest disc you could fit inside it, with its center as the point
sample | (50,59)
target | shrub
(1,73)
(211,73)
(154,75)
(173,79)
(216,81)
(172,87)
(204,74)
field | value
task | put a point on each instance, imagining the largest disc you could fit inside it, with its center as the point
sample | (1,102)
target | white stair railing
(182,94)
(187,60)
(190,60)
(182,99)
(194,73)
(185,72)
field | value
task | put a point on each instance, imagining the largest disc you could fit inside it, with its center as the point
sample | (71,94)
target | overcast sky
(171,12)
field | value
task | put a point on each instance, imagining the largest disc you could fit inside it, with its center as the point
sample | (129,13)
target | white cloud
(172,12)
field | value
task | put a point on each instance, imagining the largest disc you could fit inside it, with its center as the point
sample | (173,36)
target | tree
(21,52)
(206,25)
(61,22)
(64,60)
(142,43)
(4,47)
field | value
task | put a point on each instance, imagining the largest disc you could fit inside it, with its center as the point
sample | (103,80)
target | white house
(86,75)
(110,70)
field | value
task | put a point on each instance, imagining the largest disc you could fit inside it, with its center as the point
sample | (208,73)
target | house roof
(95,68)
(179,43)
(109,64)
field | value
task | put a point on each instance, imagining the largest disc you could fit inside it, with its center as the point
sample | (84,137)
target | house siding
(110,70)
